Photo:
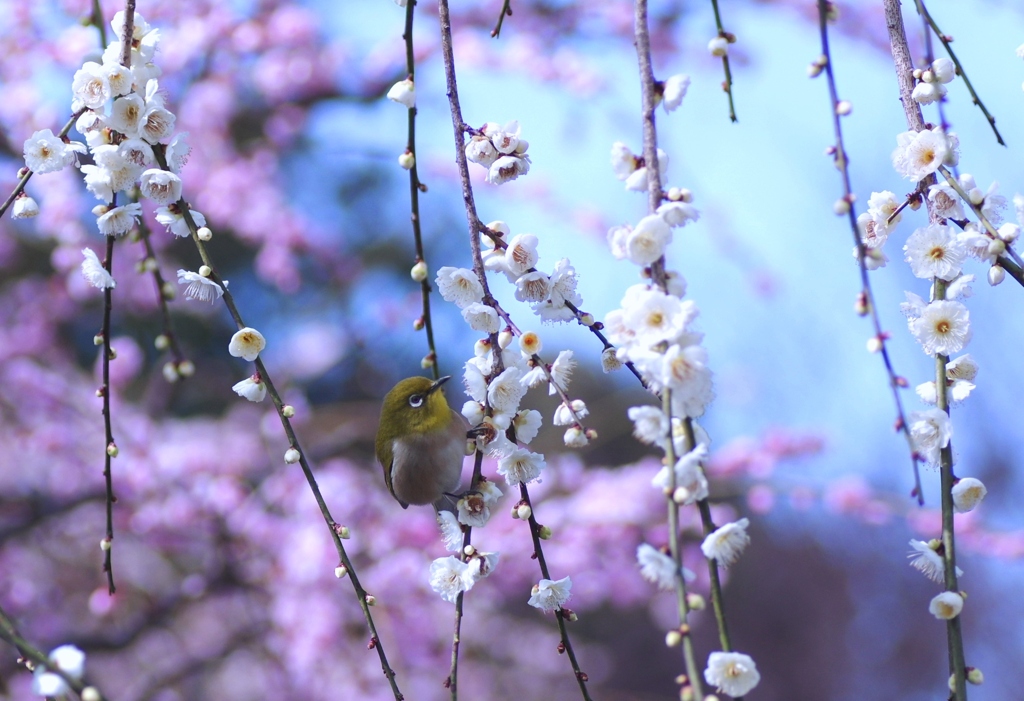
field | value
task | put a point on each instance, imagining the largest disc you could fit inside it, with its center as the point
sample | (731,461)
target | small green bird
(420,443)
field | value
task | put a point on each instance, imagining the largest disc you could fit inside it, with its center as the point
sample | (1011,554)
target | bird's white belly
(426,467)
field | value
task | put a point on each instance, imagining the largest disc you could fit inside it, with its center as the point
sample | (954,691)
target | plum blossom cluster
(500,150)
(69,660)
(932,81)
(127,129)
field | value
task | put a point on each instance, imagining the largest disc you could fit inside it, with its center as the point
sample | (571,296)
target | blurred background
(223,564)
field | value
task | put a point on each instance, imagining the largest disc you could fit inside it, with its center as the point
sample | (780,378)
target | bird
(420,443)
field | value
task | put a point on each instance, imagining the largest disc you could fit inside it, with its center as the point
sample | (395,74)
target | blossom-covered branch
(869,232)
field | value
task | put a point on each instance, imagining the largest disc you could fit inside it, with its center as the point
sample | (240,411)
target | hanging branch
(285,412)
(475,228)
(867,296)
(415,188)
(946,40)
(506,9)
(727,83)
(954,634)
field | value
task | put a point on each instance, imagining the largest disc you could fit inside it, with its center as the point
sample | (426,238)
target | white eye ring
(416,401)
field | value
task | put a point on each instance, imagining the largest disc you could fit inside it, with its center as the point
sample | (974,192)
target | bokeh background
(223,565)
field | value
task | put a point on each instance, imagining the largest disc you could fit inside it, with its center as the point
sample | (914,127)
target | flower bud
(112,450)
(91,693)
(340,571)
(418,324)
(204,233)
(530,343)
(97,340)
(161,342)
(524,512)
(407,160)
(428,361)
(186,368)
(544,533)
(205,271)
(695,602)
(167,291)
(287,411)
(996,248)
(419,271)
(105,544)
(841,206)
(967,494)
(499,227)
(719,46)
(170,371)
(974,676)
(996,274)
(505,339)
(371,600)
(844,107)
(673,638)
(291,456)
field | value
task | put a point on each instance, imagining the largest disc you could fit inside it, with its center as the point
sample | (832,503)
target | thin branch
(868,297)
(31,654)
(923,11)
(475,228)
(109,446)
(506,9)
(161,295)
(415,187)
(954,635)
(337,531)
(727,83)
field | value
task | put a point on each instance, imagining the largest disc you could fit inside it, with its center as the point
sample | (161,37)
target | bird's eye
(416,401)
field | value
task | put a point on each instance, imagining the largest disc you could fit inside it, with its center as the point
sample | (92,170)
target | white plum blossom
(726,543)
(126,115)
(943,327)
(521,254)
(137,152)
(678,213)
(935,251)
(637,180)
(732,673)
(481,150)
(658,568)
(647,241)
(506,138)
(505,391)
(521,466)
(962,368)
(550,595)
(691,484)
(624,163)
(119,220)
(674,90)
(919,154)
(561,371)
(946,605)
(404,93)
(451,531)
(926,560)
(563,291)
(94,272)
(24,207)
(967,494)
(927,93)
(533,287)
(160,186)
(459,285)
(177,152)
(481,317)
(946,201)
(930,431)
(449,577)
(507,168)
(251,388)
(174,220)
(247,343)
(564,414)
(650,425)
(46,153)
(527,424)
(89,88)
(201,289)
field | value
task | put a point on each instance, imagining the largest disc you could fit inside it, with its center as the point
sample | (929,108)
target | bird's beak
(437,383)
